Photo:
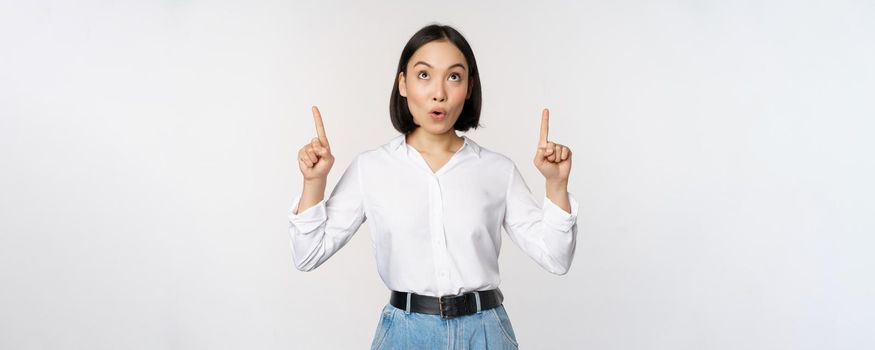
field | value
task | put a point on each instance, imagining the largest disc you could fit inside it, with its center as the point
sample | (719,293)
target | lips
(438,113)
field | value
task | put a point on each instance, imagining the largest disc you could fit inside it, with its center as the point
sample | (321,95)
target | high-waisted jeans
(488,329)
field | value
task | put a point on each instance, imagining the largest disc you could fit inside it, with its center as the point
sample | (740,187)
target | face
(436,86)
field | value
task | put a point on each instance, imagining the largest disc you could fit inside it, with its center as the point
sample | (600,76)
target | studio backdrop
(722,157)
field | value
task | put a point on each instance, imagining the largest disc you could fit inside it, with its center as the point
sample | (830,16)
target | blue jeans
(488,329)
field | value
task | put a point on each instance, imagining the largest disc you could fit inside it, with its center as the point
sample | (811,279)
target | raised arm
(318,228)
(547,232)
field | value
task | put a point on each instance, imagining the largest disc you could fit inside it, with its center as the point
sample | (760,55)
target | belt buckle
(441,304)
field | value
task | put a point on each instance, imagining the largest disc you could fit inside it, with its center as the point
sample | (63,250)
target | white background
(723,157)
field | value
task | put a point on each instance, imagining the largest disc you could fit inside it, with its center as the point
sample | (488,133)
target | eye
(457,75)
(421,73)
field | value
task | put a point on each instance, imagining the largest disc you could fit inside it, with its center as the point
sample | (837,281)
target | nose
(440,94)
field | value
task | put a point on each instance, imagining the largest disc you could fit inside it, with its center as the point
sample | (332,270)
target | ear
(402,84)
(470,88)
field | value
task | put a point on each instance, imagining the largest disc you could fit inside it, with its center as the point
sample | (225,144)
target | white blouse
(435,233)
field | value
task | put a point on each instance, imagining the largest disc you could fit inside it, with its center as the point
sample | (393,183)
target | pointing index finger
(320,128)
(545,126)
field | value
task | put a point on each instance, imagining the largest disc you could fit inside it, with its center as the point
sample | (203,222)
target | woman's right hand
(315,158)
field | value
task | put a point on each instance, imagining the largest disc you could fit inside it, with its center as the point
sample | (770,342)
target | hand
(315,158)
(552,159)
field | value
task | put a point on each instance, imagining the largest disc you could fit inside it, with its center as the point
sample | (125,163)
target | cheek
(457,95)
(459,92)
(417,93)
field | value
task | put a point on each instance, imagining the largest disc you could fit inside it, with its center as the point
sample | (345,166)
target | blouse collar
(400,140)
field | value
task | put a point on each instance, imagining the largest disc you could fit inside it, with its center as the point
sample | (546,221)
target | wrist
(314,186)
(557,184)
(315,182)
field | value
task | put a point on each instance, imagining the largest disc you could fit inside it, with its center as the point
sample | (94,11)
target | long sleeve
(321,230)
(547,234)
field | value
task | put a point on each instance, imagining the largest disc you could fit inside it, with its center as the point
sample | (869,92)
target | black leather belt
(448,306)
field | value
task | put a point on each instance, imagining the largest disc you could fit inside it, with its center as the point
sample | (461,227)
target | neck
(429,143)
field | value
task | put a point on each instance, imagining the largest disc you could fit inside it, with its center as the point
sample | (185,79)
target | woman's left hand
(553,160)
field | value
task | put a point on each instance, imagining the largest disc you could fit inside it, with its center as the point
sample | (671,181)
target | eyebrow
(429,66)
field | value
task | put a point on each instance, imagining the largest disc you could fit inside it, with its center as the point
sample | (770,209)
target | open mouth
(437,113)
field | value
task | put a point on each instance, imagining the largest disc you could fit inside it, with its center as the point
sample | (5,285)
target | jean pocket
(383,326)
(503,321)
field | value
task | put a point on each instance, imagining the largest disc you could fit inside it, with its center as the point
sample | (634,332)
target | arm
(320,230)
(546,233)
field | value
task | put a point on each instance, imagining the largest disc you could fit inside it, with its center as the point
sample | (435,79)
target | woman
(436,202)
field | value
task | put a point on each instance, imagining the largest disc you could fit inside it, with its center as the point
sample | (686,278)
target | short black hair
(402,120)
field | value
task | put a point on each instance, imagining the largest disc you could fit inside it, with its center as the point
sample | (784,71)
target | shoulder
(487,153)
(389,146)
(490,158)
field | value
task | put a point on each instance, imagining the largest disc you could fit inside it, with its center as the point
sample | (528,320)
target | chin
(433,129)
(441,130)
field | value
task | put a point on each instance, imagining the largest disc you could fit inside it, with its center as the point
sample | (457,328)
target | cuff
(307,220)
(558,217)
